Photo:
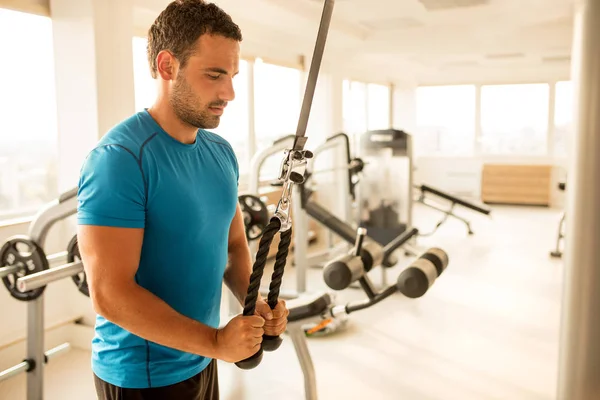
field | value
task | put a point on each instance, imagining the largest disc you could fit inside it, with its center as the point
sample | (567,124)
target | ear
(166,65)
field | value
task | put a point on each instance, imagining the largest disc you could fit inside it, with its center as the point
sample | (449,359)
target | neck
(164,116)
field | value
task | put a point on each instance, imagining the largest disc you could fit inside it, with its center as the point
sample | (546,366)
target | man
(160,227)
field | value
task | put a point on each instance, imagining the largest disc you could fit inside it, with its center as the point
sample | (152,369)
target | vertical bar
(300,240)
(305,360)
(313,73)
(477,145)
(551,112)
(251,119)
(410,184)
(392,88)
(579,360)
(35,348)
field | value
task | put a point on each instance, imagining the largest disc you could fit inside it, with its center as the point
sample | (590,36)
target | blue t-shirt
(185,197)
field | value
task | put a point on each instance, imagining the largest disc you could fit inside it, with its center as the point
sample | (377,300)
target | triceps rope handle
(293,168)
(292,172)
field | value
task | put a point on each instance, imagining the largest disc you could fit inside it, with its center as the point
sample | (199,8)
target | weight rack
(64,206)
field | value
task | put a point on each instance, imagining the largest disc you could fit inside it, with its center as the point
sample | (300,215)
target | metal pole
(579,359)
(35,348)
(63,207)
(43,278)
(11,269)
(300,240)
(13,371)
(25,365)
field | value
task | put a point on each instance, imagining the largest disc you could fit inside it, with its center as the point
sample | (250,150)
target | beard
(188,108)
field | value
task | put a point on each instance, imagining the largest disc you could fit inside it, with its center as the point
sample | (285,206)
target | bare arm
(111,257)
(239,268)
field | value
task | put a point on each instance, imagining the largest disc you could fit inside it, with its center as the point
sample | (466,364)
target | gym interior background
(484,90)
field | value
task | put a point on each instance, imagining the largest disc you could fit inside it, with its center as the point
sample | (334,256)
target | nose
(227,91)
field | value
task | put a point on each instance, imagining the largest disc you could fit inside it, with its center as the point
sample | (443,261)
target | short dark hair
(179,26)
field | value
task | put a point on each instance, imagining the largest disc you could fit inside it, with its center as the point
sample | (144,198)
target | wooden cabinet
(516,184)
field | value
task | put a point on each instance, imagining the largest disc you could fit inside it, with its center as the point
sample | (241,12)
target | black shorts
(203,386)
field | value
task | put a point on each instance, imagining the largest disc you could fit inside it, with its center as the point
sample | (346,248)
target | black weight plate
(73,255)
(22,251)
(256,215)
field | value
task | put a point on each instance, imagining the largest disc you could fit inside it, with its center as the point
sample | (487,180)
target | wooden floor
(488,329)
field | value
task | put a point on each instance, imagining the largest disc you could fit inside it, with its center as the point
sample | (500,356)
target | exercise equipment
(256,216)
(29,364)
(413,282)
(346,181)
(385,194)
(306,207)
(21,256)
(64,206)
(293,167)
(454,201)
(557,253)
(73,256)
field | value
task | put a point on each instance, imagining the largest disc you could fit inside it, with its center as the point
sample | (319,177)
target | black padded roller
(344,270)
(415,280)
(438,257)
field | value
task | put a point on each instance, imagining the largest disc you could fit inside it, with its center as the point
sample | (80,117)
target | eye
(214,77)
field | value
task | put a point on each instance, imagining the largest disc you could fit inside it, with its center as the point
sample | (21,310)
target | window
(354,110)
(28,121)
(277,102)
(378,107)
(144,84)
(514,119)
(445,120)
(563,117)
(234,125)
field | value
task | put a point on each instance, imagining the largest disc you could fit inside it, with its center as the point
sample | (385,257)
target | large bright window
(514,119)
(28,125)
(563,118)
(277,102)
(144,86)
(445,120)
(378,106)
(354,109)
(234,126)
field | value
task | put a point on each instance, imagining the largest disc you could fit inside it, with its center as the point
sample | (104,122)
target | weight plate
(256,215)
(73,255)
(23,252)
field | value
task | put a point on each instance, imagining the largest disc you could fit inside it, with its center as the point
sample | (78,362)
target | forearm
(238,271)
(144,314)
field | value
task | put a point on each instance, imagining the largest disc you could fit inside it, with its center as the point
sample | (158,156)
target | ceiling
(417,41)
(428,41)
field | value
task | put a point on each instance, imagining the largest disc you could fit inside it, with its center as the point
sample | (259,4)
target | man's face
(204,86)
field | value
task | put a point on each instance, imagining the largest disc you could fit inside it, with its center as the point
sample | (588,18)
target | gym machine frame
(557,253)
(338,143)
(426,189)
(55,211)
(413,282)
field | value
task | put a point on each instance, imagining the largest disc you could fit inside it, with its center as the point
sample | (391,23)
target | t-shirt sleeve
(111,189)
(236,165)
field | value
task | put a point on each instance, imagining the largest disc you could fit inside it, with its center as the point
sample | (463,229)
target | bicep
(111,219)
(237,231)
(110,256)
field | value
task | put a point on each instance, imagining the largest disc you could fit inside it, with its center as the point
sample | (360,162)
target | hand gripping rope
(292,172)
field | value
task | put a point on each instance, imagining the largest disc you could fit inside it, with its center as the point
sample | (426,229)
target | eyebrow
(217,70)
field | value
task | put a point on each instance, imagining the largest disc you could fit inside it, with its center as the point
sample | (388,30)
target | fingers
(276,330)
(256,321)
(263,309)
